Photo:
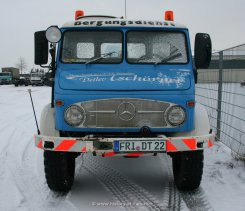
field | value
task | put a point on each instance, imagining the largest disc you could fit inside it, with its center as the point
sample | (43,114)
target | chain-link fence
(221,89)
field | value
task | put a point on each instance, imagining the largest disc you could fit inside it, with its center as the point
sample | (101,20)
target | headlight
(176,115)
(53,34)
(74,115)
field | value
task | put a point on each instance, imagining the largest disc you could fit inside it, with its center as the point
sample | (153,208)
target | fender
(47,122)
(202,125)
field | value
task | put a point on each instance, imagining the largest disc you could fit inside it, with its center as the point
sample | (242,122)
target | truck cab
(5,78)
(36,78)
(123,88)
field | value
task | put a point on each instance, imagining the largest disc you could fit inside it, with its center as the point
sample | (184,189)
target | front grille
(124,113)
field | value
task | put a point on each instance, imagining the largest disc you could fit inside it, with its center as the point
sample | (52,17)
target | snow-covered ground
(103,183)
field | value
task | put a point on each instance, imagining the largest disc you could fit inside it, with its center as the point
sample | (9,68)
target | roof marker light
(78,14)
(169,15)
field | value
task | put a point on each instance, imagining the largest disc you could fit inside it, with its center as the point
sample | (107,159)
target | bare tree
(22,64)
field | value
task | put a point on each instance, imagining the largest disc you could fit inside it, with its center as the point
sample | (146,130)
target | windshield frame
(4,74)
(162,31)
(92,30)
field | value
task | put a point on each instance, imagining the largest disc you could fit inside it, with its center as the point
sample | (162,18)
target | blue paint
(172,83)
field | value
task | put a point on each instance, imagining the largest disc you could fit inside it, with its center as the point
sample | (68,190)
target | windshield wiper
(169,58)
(103,56)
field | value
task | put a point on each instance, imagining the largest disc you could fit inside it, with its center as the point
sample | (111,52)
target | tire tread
(188,169)
(59,168)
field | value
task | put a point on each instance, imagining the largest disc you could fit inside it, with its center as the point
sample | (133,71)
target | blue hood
(127,81)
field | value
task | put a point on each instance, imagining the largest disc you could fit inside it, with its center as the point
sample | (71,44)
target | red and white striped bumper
(86,144)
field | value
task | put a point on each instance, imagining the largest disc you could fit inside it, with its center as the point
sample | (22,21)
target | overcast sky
(224,20)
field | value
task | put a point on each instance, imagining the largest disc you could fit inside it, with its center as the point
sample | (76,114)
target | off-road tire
(188,169)
(59,170)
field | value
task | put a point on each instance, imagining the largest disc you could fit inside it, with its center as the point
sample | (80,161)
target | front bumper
(86,144)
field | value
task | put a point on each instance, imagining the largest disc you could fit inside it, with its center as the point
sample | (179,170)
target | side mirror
(41,48)
(203,50)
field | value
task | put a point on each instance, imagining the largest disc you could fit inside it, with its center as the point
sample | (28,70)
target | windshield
(92,47)
(156,47)
(5,74)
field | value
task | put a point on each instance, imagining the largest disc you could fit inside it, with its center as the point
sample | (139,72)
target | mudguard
(47,122)
(202,125)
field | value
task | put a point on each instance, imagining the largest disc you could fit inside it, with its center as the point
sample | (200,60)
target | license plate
(139,146)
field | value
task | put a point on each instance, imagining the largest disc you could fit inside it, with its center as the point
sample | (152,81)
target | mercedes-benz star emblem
(126,111)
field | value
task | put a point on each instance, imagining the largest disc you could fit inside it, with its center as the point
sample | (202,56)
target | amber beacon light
(169,15)
(78,14)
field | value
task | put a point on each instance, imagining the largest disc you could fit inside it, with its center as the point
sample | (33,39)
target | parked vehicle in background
(47,79)
(6,78)
(9,75)
(22,81)
(36,78)
(242,83)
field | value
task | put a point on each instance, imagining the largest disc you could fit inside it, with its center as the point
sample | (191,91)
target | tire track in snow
(17,165)
(11,138)
(11,167)
(21,187)
(196,200)
(44,197)
(5,153)
(124,190)
(35,193)
(174,198)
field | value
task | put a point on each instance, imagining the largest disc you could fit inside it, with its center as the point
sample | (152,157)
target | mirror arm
(195,74)
(52,67)
(52,53)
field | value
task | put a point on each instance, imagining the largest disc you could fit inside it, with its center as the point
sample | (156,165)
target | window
(5,74)
(115,48)
(156,47)
(92,47)
(85,50)
(136,50)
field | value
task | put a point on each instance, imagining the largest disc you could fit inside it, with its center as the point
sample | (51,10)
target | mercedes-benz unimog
(123,87)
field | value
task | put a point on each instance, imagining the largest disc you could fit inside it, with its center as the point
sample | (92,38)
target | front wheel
(188,169)
(59,170)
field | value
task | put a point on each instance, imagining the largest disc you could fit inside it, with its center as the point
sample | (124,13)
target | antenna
(38,131)
(125,9)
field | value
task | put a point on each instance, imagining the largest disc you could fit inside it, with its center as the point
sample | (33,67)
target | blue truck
(9,75)
(122,87)
(5,78)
